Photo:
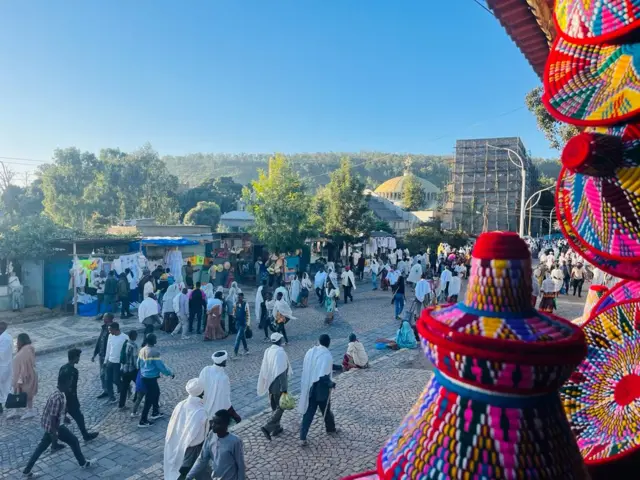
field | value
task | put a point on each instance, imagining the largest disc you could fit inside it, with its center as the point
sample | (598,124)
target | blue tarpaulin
(164,242)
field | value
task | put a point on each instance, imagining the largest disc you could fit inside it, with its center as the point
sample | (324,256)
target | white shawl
(217,389)
(147,308)
(258,304)
(422,289)
(6,365)
(357,352)
(167,300)
(188,423)
(285,294)
(284,308)
(295,289)
(318,362)
(274,362)
(415,274)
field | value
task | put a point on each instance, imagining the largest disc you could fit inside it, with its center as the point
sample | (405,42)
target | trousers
(273,425)
(197,314)
(151,397)
(398,300)
(127,378)
(73,409)
(347,294)
(240,337)
(65,436)
(113,377)
(307,418)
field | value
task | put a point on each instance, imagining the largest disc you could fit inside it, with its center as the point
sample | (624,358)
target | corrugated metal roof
(529,24)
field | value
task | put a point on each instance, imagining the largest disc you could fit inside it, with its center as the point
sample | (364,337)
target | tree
(6,176)
(556,132)
(347,216)
(382,226)
(413,195)
(222,190)
(20,203)
(420,238)
(30,238)
(204,213)
(280,205)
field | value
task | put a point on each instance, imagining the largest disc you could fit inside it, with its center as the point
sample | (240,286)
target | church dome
(392,190)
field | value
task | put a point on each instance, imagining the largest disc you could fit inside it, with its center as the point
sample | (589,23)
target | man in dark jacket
(123,296)
(111,292)
(73,404)
(197,303)
(100,351)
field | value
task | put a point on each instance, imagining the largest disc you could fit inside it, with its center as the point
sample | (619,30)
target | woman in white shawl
(356,356)
(208,290)
(186,433)
(168,313)
(295,290)
(549,293)
(232,296)
(148,313)
(258,304)
(282,313)
(305,287)
(333,276)
(274,377)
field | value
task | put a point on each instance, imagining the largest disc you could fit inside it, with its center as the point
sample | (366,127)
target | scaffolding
(485,186)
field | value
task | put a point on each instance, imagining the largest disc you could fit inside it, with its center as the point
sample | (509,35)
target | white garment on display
(6,365)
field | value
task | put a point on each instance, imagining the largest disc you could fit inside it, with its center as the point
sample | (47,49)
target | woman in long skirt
(549,294)
(329,302)
(25,377)
(213,330)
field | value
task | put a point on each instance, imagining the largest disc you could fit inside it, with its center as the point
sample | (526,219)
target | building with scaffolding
(485,187)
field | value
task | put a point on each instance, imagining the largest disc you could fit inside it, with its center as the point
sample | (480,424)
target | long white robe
(422,289)
(188,424)
(318,362)
(295,290)
(274,363)
(258,304)
(217,389)
(6,365)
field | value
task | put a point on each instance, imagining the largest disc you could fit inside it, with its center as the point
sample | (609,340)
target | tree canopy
(223,191)
(280,205)
(413,194)
(423,237)
(204,213)
(79,186)
(346,213)
(557,133)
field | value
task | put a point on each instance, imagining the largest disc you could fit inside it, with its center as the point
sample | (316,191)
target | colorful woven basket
(595,293)
(621,291)
(592,85)
(602,397)
(598,201)
(590,21)
(492,409)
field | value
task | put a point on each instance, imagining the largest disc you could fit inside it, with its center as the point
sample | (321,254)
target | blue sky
(258,76)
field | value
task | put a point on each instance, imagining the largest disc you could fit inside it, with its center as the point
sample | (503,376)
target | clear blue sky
(258,76)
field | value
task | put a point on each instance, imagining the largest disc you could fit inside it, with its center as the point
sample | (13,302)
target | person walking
(111,292)
(25,376)
(375,267)
(319,282)
(100,351)
(577,278)
(148,314)
(348,283)
(151,366)
(128,366)
(115,343)
(217,387)
(181,307)
(197,304)
(223,450)
(315,388)
(124,290)
(54,430)
(6,363)
(282,314)
(274,379)
(71,394)
(398,296)
(242,317)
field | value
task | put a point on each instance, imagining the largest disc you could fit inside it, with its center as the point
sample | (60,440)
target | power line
(24,159)
(484,7)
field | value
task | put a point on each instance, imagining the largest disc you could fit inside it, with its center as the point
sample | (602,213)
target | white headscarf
(258,304)
(295,289)
(232,296)
(187,427)
(169,295)
(285,294)
(318,362)
(217,389)
(274,362)
(548,285)
(208,290)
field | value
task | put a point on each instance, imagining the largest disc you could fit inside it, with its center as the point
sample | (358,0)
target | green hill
(374,167)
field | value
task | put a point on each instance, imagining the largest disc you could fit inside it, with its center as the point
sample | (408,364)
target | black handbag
(16,400)
(248,333)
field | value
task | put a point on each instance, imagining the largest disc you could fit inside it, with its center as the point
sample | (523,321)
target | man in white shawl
(148,313)
(274,379)
(423,293)
(6,363)
(217,388)
(348,283)
(416,273)
(315,388)
(186,433)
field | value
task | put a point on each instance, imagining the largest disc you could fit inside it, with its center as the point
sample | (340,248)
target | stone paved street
(368,404)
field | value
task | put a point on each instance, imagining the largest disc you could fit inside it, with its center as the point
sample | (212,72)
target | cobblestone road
(368,404)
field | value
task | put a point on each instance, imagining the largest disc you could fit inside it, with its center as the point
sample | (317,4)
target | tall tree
(413,195)
(6,176)
(222,190)
(204,213)
(557,133)
(280,205)
(347,214)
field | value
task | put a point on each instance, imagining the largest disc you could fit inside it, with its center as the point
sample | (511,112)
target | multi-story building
(486,186)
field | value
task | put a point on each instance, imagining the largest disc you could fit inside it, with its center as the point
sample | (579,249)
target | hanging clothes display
(173,261)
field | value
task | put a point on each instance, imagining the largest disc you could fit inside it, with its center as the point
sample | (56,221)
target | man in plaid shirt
(52,419)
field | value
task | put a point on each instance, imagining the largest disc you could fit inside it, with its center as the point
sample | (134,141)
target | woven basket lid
(598,201)
(595,293)
(495,322)
(621,291)
(602,396)
(591,21)
(592,85)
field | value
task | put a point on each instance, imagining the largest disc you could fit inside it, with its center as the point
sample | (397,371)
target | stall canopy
(165,242)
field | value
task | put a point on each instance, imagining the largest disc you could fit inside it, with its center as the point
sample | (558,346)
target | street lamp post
(539,197)
(523,172)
